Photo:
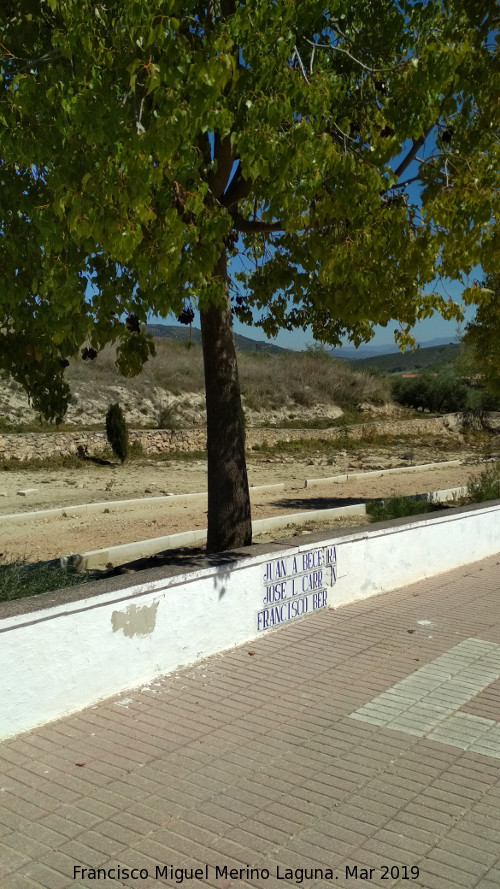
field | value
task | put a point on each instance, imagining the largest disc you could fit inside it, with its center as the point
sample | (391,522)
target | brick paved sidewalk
(358,739)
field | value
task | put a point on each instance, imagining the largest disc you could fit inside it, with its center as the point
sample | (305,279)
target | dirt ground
(45,537)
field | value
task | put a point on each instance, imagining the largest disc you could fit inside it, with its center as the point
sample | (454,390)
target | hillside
(181,334)
(278,386)
(410,362)
(367,350)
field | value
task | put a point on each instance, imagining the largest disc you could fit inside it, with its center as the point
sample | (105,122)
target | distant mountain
(367,351)
(411,362)
(245,343)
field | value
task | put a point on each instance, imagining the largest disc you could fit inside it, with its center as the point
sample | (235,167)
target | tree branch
(238,189)
(223,157)
(254,226)
(311,63)
(417,145)
(47,57)
(419,142)
(346,52)
(301,64)
(400,185)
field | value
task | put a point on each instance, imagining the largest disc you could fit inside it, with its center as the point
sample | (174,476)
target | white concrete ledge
(312,515)
(447,495)
(78,509)
(89,508)
(78,646)
(125,552)
(379,473)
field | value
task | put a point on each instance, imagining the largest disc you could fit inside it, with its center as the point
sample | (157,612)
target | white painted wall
(390,558)
(60,659)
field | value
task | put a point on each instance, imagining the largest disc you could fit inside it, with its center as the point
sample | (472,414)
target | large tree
(347,151)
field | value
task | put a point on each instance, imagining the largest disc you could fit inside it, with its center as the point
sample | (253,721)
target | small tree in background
(116,431)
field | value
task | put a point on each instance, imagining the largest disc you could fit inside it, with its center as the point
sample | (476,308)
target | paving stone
(344,741)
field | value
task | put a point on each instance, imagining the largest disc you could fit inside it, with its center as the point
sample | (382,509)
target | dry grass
(289,389)
(268,381)
(175,368)
(302,448)
(305,379)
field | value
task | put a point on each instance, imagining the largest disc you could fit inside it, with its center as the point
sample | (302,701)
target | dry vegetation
(306,379)
(276,388)
(267,380)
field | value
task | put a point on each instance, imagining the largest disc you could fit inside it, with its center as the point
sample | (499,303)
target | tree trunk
(229,520)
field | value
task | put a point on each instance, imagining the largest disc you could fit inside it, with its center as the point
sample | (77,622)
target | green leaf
(161,102)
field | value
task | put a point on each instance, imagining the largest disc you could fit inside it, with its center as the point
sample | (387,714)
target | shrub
(485,487)
(303,397)
(116,431)
(20,579)
(136,449)
(443,392)
(168,417)
(306,378)
(396,508)
(480,403)
(449,393)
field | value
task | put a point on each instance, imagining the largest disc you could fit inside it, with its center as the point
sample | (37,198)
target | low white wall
(61,658)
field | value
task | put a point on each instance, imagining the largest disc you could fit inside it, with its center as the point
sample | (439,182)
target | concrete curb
(312,515)
(446,494)
(125,552)
(109,504)
(378,473)
(97,558)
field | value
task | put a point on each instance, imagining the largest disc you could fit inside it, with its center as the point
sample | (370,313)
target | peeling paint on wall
(135,621)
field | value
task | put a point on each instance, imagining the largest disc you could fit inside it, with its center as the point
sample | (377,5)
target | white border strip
(125,552)
(379,473)
(109,504)
(116,555)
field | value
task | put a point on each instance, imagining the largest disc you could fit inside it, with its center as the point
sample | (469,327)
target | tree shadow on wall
(184,557)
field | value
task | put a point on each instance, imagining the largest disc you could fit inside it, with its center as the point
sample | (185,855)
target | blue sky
(424,331)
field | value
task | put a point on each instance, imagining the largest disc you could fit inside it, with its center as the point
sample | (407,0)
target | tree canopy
(348,152)
(482,335)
